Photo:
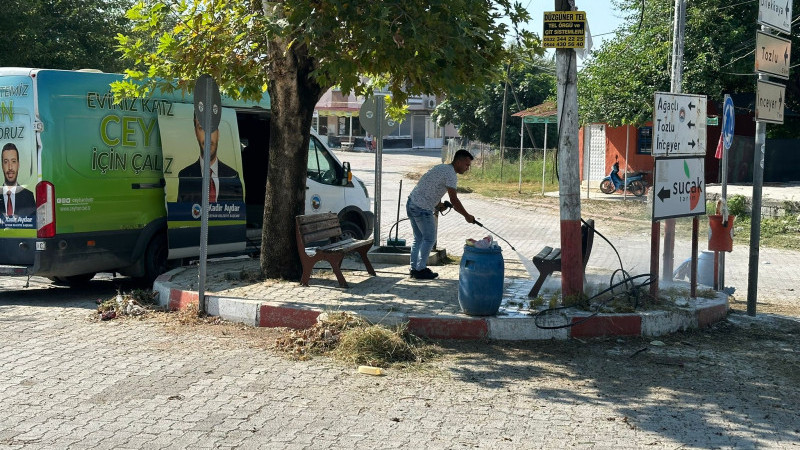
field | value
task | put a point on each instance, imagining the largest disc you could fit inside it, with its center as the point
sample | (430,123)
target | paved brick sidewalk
(71,382)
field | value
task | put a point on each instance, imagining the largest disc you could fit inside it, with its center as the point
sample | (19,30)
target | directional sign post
(679,188)
(679,123)
(776,14)
(373,118)
(208,111)
(770,102)
(773,54)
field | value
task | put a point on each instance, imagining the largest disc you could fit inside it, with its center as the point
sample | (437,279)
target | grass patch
(491,177)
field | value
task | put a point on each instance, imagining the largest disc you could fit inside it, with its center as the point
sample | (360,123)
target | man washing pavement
(425,200)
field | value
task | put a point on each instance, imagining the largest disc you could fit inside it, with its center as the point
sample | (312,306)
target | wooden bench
(549,259)
(324,227)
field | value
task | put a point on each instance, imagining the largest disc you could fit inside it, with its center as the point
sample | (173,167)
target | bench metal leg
(538,285)
(366,261)
(308,266)
(336,264)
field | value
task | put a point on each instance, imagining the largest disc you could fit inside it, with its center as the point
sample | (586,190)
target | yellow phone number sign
(564,29)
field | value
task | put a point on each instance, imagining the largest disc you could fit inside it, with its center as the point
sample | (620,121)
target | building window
(645,144)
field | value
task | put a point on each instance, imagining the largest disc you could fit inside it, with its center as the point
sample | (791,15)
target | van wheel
(155,258)
(351,230)
(73,280)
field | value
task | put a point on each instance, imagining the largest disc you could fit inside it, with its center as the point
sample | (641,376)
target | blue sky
(601,15)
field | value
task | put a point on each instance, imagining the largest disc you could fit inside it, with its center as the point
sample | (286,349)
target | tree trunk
(293,94)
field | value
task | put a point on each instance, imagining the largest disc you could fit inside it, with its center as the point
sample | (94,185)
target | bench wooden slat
(330,224)
(348,247)
(322,235)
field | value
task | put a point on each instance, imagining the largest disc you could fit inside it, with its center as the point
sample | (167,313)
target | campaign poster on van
(18,144)
(182,143)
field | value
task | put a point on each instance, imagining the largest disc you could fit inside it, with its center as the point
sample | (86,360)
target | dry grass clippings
(355,341)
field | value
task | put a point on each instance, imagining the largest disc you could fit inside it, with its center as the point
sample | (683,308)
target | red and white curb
(512,327)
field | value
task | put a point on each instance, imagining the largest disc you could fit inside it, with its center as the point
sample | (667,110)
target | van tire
(351,230)
(155,258)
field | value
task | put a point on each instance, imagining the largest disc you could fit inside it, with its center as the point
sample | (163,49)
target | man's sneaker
(413,273)
(425,274)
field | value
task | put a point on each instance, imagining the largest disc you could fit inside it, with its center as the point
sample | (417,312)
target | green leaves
(617,84)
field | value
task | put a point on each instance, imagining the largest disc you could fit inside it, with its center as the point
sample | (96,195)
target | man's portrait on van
(16,200)
(225,183)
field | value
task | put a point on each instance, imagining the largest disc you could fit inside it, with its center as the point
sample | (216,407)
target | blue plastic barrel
(480,281)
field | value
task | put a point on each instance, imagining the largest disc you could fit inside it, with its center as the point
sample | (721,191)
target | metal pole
(503,126)
(381,116)
(521,138)
(569,167)
(755,214)
(724,180)
(544,156)
(676,88)
(201,285)
(397,224)
(627,168)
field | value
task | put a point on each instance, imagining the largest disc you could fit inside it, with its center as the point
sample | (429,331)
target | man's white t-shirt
(433,185)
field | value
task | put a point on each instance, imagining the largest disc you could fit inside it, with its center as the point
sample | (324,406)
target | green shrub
(737,206)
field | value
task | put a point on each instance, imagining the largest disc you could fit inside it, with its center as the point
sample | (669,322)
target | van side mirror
(347,176)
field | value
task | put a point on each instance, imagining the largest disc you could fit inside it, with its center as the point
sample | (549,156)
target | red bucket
(720,237)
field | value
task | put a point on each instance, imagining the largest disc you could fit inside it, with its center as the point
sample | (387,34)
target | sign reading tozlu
(679,124)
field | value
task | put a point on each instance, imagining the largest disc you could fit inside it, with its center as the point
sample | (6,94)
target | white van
(114,186)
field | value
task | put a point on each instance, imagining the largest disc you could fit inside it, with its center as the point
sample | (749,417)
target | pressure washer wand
(490,231)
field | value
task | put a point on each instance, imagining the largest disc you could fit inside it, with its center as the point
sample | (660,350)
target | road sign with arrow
(773,54)
(679,189)
(776,14)
(770,102)
(679,124)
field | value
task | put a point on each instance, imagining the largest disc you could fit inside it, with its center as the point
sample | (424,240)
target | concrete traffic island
(430,307)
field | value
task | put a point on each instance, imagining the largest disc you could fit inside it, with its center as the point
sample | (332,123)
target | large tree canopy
(478,112)
(617,84)
(297,49)
(62,34)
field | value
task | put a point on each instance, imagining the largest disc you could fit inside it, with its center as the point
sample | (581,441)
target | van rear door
(182,144)
(18,139)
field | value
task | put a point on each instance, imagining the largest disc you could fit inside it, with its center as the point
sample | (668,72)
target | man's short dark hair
(10,146)
(463,153)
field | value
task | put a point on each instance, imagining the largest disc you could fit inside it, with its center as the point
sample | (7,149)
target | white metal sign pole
(521,138)
(544,156)
(379,110)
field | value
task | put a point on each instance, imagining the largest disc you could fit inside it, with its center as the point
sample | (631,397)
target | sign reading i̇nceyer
(679,124)
(564,29)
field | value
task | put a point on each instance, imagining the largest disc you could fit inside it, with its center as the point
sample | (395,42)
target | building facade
(336,118)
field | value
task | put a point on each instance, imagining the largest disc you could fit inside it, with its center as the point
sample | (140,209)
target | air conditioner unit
(431,103)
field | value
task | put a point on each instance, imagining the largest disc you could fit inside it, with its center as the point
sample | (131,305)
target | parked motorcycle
(634,183)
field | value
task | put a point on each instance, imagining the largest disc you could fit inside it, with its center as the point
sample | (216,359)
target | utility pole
(679,29)
(503,124)
(569,165)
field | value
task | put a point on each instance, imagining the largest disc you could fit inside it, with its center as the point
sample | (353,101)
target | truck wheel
(607,187)
(155,258)
(351,230)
